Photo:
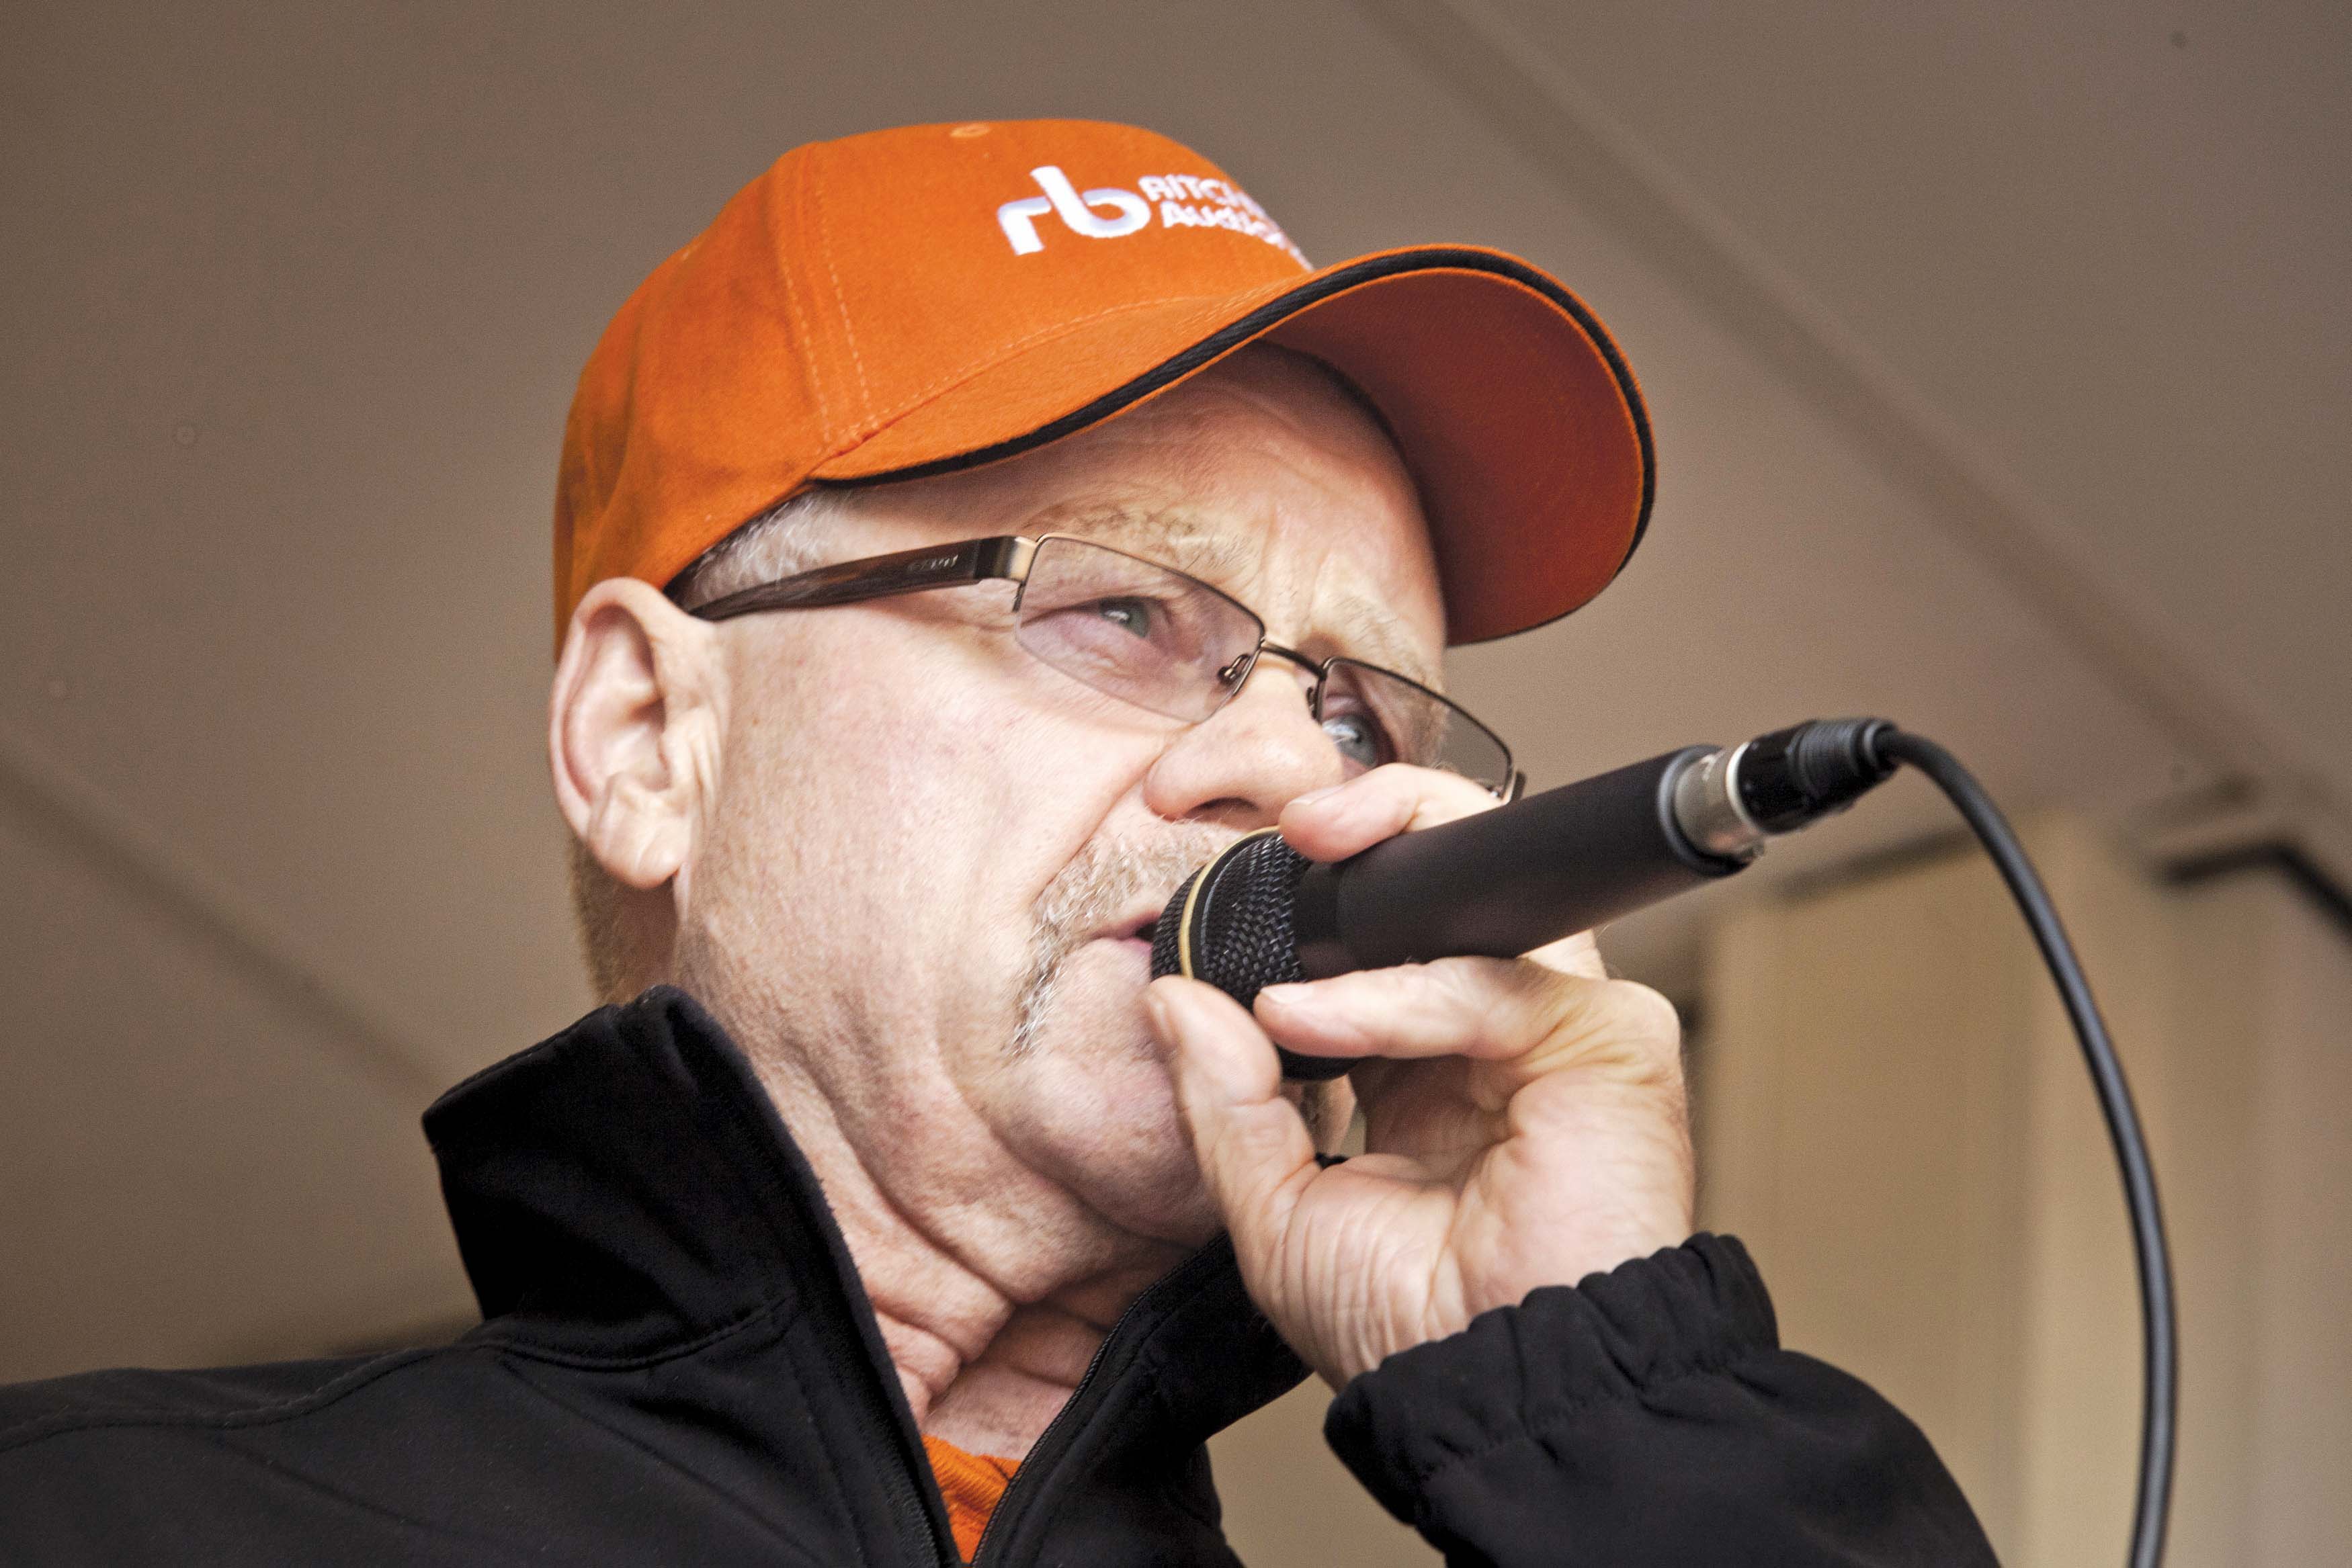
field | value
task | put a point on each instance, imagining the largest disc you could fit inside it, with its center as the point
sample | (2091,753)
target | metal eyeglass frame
(1006,556)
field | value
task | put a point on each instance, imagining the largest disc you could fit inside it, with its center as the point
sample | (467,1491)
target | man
(971,532)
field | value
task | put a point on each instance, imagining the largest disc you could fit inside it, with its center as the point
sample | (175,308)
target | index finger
(1332,825)
(1397,798)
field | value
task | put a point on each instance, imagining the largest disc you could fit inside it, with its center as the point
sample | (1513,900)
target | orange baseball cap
(918,300)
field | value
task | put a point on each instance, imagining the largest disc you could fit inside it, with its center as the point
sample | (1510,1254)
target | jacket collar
(627,1183)
(626,1189)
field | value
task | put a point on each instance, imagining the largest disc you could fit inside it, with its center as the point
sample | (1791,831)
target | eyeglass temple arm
(882,576)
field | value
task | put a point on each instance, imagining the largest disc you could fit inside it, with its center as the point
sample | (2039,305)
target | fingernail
(1302,1008)
(1173,1012)
(1290,995)
(1312,796)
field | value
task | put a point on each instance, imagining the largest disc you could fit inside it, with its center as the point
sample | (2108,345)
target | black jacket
(677,1364)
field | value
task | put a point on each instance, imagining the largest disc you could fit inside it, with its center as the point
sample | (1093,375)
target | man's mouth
(1111,893)
(1136,928)
(1135,925)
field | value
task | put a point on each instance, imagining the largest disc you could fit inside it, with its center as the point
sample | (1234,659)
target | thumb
(1256,1153)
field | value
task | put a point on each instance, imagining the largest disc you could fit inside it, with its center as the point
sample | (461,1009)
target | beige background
(2001,356)
(1895,1116)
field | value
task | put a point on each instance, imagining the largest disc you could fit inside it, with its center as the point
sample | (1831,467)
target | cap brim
(1516,416)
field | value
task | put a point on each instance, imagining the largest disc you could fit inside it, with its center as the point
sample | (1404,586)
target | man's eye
(1140,616)
(1358,736)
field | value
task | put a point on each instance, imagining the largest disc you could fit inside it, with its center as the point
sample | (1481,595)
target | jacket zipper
(909,1501)
(905,1491)
(901,1487)
(1047,1448)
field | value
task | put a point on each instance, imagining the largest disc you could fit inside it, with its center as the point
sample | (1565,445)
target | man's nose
(1243,763)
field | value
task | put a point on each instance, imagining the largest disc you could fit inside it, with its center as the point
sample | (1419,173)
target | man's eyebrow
(1361,628)
(1168,536)
(1371,631)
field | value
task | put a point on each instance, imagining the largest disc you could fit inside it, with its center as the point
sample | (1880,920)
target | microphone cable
(1810,770)
(2159,1329)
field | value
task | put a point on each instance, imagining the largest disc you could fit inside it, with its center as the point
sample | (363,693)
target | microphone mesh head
(1241,932)
(1165,956)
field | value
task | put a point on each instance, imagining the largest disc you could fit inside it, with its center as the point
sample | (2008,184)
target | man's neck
(987,1356)
(1000,1401)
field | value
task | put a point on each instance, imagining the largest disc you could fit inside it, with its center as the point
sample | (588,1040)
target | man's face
(922,891)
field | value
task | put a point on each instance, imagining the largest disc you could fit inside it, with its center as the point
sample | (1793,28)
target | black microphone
(1508,881)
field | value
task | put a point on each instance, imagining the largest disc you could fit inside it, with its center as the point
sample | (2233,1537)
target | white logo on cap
(1078,210)
(1186,201)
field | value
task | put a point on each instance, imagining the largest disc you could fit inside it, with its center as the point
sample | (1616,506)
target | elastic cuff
(1531,1368)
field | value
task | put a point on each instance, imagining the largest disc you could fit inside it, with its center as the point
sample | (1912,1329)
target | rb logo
(1077,209)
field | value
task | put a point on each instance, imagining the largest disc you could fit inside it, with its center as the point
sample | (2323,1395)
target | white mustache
(1099,886)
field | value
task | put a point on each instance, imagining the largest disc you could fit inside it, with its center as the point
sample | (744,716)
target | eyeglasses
(1156,637)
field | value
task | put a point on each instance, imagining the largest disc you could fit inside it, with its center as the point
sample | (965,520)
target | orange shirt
(972,1483)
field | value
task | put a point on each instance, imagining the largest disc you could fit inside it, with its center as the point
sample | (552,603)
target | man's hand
(1525,1118)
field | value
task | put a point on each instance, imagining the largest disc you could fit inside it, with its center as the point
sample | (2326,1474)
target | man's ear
(634,723)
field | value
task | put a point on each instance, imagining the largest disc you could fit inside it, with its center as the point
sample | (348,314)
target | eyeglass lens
(1155,637)
(1407,723)
(1169,642)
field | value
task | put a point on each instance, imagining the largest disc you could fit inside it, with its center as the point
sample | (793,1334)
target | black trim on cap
(1274,313)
